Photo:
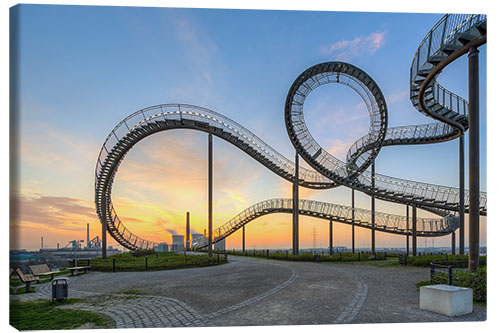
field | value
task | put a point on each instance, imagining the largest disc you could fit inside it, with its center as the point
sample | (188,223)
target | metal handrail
(362,217)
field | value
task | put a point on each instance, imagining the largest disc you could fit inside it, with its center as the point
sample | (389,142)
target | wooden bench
(27,279)
(73,269)
(42,270)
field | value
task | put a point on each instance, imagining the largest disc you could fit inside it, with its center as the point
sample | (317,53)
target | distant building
(177,243)
(163,247)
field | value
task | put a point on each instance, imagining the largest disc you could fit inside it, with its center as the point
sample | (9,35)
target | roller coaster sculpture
(447,40)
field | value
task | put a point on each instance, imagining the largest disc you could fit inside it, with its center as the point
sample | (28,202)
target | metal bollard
(146,262)
(359,256)
(267,253)
(114,263)
(340,256)
(450,275)
(287,254)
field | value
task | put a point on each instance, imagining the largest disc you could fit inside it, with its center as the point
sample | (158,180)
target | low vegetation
(463,278)
(444,259)
(475,280)
(152,262)
(45,315)
(336,257)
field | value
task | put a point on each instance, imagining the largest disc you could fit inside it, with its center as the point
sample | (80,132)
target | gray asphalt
(251,291)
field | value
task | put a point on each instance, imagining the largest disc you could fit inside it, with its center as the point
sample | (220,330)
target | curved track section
(386,187)
(390,223)
(329,171)
(448,40)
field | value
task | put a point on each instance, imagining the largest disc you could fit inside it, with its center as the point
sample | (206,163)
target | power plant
(58,256)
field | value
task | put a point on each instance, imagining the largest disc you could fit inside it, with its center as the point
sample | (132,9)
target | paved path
(251,291)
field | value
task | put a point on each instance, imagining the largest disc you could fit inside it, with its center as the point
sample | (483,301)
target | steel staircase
(426,94)
(390,223)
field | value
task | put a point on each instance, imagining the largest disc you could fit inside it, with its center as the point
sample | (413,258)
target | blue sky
(83,69)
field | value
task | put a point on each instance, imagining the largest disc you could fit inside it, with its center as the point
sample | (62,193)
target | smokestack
(187,231)
(204,232)
(58,246)
(88,238)
(42,242)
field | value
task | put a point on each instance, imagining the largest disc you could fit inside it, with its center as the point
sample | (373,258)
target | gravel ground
(251,291)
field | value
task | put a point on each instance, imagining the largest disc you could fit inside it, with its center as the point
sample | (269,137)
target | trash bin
(59,289)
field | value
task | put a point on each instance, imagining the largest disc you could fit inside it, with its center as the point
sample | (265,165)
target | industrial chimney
(187,231)
(42,242)
(88,238)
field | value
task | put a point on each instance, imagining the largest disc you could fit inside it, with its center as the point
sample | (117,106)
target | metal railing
(362,217)
(441,274)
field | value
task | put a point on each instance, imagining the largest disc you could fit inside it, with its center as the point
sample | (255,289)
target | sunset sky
(83,69)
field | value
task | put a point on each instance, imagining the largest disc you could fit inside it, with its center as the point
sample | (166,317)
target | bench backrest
(19,272)
(39,269)
(11,271)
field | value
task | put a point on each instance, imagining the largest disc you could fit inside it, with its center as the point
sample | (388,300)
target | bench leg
(28,287)
(72,272)
(51,277)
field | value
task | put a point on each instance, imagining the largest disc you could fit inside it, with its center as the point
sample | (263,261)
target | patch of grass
(444,259)
(343,257)
(482,303)
(45,315)
(15,282)
(126,262)
(21,290)
(422,284)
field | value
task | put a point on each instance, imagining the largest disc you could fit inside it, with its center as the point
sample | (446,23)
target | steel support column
(373,209)
(461,212)
(353,217)
(210,188)
(243,240)
(331,237)
(453,245)
(188,232)
(473,159)
(414,230)
(295,211)
(407,230)
(103,241)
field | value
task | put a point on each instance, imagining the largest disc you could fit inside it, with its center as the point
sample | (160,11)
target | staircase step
(424,72)
(481,27)
(465,37)
(419,81)
(450,48)
(436,59)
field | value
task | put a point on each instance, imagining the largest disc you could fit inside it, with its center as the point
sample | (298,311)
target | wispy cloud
(349,49)
(398,96)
